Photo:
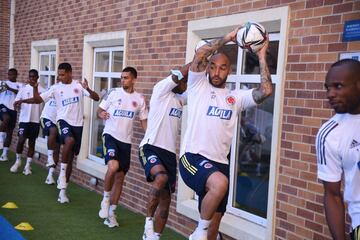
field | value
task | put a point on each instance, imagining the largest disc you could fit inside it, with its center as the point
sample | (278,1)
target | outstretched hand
(262,52)
(85,84)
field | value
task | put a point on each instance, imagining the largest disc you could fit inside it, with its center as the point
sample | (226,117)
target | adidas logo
(354,143)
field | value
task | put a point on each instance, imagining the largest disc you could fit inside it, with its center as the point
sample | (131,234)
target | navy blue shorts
(12,114)
(355,234)
(29,130)
(151,156)
(66,130)
(46,125)
(195,169)
(117,150)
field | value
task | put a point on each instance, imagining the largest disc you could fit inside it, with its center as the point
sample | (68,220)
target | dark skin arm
(34,100)
(334,209)
(200,61)
(265,89)
(93,95)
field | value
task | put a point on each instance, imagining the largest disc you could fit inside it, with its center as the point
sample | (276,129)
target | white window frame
(232,224)
(108,75)
(92,41)
(47,73)
(37,48)
(239,79)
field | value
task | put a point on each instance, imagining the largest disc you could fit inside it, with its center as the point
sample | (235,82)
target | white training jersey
(49,110)
(122,107)
(164,116)
(338,152)
(8,97)
(69,100)
(212,116)
(29,112)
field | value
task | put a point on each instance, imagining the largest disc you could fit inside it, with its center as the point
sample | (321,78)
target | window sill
(91,167)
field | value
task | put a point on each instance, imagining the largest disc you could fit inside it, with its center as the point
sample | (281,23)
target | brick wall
(4,37)
(157,42)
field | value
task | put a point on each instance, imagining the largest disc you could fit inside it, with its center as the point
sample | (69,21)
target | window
(254,149)
(44,59)
(251,148)
(47,61)
(108,64)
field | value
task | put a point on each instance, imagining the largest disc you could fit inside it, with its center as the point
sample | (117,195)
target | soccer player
(8,115)
(212,116)
(69,97)
(338,148)
(158,148)
(119,108)
(29,125)
(48,124)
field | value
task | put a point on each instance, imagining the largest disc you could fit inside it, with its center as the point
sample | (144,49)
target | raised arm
(334,209)
(265,89)
(93,95)
(199,62)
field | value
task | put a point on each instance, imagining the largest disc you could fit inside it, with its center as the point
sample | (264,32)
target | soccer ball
(251,37)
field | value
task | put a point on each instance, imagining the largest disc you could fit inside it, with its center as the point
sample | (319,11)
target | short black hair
(65,66)
(352,65)
(13,70)
(347,61)
(131,70)
(34,71)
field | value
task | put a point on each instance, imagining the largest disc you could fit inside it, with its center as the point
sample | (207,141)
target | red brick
(331,19)
(314,3)
(346,7)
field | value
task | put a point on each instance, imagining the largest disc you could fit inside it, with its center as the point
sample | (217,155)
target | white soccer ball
(251,37)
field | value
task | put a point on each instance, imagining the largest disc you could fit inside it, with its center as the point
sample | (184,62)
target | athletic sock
(28,161)
(18,157)
(5,152)
(63,167)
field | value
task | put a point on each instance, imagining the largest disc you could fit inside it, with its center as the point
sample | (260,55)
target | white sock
(203,225)
(112,210)
(5,152)
(28,161)
(51,171)
(18,157)
(2,139)
(63,167)
(106,196)
(50,153)
(63,191)
(157,236)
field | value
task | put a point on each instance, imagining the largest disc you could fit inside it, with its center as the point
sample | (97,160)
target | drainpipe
(12,34)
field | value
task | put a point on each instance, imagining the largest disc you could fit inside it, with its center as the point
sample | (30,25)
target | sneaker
(111,221)
(148,231)
(104,209)
(50,162)
(63,198)
(4,158)
(14,168)
(61,184)
(50,180)
(27,170)
(198,236)
(219,236)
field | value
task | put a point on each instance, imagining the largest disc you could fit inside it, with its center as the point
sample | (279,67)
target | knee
(218,185)
(161,179)
(69,141)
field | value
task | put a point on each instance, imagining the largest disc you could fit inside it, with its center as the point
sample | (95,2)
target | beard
(219,82)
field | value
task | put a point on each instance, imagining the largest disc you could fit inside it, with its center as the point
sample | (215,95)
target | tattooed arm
(200,59)
(265,89)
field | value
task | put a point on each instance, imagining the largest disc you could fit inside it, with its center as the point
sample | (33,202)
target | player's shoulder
(110,93)
(329,129)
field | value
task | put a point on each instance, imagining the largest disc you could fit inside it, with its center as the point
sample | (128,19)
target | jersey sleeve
(329,166)
(143,111)
(163,87)
(19,95)
(47,94)
(196,79)
(245,99)
(105,102)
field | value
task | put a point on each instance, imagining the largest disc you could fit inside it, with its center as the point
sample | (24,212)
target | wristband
(178,74)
